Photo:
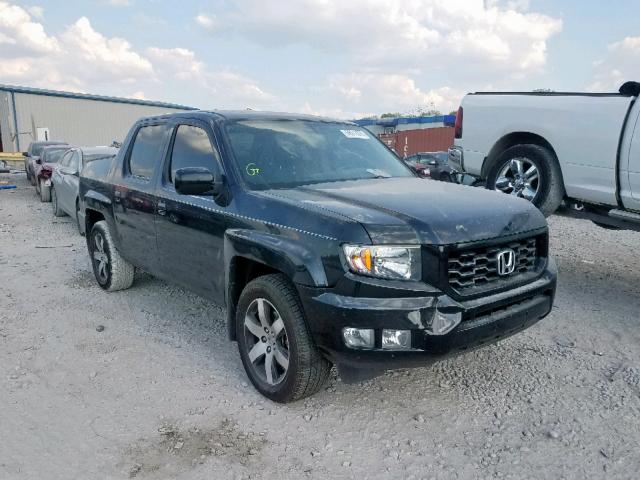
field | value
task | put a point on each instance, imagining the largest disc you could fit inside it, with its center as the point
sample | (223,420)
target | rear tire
(45,192)
(57,211)
(548,184)
(112,272)
(306,369)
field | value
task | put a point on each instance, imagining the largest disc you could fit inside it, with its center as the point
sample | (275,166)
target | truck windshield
(289,153)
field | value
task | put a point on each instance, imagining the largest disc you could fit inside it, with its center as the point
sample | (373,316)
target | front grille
(478,267)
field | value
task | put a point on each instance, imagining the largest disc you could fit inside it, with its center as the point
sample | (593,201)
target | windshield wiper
(378,173)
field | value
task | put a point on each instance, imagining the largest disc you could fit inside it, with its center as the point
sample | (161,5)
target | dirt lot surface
(160,392)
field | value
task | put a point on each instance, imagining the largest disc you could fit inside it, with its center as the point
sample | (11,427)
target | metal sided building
(30,114)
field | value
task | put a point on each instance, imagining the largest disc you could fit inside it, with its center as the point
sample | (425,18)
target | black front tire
(112,272)
(308,369)
(551,187)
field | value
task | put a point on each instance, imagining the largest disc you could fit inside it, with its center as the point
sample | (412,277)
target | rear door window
(192,148)
(146,151)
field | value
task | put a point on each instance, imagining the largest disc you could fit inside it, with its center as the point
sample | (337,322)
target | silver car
(65,180)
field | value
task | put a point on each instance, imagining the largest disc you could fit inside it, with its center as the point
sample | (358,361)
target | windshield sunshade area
(289,153)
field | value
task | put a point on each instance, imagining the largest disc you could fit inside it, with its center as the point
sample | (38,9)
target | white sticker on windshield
(355,134)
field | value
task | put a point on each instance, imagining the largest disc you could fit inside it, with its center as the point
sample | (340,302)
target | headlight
(384,261)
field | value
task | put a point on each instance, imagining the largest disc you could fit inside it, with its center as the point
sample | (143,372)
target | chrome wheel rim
(519,177)
(100,258)
(266,341)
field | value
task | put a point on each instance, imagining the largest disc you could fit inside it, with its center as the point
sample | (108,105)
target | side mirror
(39,161)
(26,154)
(196,181)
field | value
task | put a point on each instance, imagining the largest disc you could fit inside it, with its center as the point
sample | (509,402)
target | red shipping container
(410,142)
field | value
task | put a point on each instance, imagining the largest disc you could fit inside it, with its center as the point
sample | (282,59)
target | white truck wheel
(531,172)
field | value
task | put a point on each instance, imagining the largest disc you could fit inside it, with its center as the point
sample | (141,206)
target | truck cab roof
(235,115)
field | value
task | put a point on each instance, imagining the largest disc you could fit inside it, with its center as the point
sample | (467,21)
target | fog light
(395,339)
(442,323)
(358,337)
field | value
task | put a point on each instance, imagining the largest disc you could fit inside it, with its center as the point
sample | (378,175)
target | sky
(346,59)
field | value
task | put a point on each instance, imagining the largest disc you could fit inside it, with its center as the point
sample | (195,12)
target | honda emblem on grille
(506,262)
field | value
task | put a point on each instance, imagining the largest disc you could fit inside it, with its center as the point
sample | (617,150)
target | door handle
(161,208)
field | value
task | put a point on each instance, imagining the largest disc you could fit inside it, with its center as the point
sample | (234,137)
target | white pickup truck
(546,147)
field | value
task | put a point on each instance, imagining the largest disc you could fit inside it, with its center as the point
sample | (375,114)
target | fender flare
(99,202)
(96,201)
(289,256)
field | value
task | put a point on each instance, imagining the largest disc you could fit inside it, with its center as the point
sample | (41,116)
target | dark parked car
(45,164)
(65,180)
(32,155)
(433,165)
(323,246)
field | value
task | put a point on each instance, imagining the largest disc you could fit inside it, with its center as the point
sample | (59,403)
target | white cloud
(118,3)
(19,35)
(207,22)
(493,37)
(82,59)
(112,56)
(621,63)
(229,88)
(36,11)
(178,62)
(369,93)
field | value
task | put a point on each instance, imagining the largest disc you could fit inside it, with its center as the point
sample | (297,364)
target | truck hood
(414,210)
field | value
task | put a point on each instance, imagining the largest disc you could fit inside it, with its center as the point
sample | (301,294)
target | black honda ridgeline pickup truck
(323,246)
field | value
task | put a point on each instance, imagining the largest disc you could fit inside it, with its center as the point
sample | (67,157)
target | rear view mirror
(195,181)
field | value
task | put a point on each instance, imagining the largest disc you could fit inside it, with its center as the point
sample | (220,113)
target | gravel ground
(160,393)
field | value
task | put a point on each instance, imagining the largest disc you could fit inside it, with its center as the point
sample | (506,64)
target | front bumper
(485,320)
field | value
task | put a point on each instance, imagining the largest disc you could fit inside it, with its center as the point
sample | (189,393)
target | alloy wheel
(519,177)
(100,258)
(266,341)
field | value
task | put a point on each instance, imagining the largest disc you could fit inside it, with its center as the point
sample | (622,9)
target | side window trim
(166,182)
(127,159)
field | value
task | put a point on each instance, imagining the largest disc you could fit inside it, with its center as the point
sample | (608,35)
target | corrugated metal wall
(6,119)
(74,120)
(410,142)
